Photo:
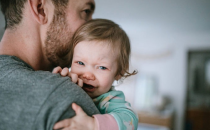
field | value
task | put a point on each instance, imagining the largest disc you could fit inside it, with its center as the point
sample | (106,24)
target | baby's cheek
(107,84)
(76,70)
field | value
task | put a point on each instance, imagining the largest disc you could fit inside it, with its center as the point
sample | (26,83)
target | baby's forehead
(110,46)
(114,44)
(103,49)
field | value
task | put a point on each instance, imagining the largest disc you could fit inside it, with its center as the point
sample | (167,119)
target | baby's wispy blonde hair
(107,30)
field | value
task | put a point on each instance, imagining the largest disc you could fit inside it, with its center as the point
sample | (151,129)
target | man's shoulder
(42,81)
(43,78)
(17,74)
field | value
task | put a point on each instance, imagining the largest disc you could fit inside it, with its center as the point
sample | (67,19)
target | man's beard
(57,44)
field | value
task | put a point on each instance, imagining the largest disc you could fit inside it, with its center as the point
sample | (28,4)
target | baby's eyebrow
(77,56)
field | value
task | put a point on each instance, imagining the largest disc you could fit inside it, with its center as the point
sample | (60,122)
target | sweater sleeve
(114,103)
(105,122)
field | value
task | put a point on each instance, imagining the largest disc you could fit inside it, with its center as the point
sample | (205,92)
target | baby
(101,55)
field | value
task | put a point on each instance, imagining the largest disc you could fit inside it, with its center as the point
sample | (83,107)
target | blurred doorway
(198,90)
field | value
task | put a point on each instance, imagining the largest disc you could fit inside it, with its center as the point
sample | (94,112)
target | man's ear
(38,10)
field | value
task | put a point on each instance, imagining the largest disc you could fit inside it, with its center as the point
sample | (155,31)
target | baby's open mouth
(88,87)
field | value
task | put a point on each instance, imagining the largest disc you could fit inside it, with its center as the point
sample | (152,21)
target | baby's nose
(89,76)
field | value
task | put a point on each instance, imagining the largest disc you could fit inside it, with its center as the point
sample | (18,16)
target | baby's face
(95,63)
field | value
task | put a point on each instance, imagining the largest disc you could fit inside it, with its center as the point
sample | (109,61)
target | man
(37,37)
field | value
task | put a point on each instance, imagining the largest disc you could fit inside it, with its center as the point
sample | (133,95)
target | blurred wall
(161,33)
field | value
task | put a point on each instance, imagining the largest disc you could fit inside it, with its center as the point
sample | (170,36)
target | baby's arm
(113,103)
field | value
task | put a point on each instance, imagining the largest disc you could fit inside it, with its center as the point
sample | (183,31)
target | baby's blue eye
(80,63)
(102,67)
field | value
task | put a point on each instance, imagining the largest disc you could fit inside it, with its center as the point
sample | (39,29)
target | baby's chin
(92,95)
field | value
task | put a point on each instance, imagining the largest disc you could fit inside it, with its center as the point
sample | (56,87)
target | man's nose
(88,76)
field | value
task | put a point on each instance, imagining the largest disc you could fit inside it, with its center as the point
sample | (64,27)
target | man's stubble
(57,44)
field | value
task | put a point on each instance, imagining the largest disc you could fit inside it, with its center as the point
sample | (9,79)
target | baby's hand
(81,121)
(65,72)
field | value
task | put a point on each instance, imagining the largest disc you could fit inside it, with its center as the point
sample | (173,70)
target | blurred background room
(170,42)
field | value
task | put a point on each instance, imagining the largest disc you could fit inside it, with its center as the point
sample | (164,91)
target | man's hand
(65,72)
(81,121)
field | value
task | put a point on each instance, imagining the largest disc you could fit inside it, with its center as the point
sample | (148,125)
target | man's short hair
(13,10)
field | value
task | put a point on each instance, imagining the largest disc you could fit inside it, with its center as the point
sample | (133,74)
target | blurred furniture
(197,119)
(163,118)
(143,126)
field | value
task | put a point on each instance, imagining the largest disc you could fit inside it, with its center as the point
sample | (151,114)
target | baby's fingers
(65,71)
(62,124)
(80,82)
(74,77)
(57,70)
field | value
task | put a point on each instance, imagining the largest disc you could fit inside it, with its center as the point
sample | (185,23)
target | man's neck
(24,46)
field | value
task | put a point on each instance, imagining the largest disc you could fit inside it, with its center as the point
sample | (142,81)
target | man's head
(62,28)
(55,20)
(106,31)
(13,10)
